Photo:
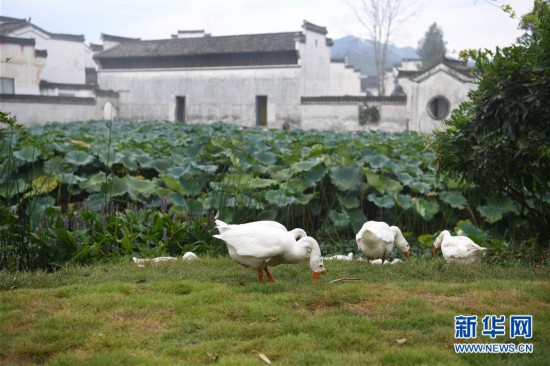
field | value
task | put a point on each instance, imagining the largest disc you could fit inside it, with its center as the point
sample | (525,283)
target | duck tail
(222,226)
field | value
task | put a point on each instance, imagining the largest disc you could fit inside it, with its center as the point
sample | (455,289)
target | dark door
(180,109)
(261,110)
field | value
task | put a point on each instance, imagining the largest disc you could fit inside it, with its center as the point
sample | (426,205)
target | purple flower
(112,209)
(163,205)
(84,206)
(65,222)
(164,236)
(101,208)
(104,221)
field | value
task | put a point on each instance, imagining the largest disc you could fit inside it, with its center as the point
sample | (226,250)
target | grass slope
(212,311)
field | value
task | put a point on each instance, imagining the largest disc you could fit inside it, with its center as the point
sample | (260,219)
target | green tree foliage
(432,48)
(527,23)
(498,140)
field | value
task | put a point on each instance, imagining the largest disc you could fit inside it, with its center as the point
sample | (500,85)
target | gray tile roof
(251,43)
(9,25)
(314,28)
(456,65)
(19,41)
(110,37)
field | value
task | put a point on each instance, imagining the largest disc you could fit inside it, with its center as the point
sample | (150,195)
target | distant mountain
(360,53)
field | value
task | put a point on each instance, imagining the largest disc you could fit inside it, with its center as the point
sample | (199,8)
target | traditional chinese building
(268,80)
(255,79)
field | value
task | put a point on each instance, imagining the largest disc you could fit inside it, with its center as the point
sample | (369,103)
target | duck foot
(269,276)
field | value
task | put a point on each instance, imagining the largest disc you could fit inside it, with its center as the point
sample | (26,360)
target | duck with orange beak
(259,246)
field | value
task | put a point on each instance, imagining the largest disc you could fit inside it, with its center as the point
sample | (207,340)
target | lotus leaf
(115,187)
(43,184)
(345,178)
(243,182)
(304,199)
(279,198)
(465,227)
(78,157)
(405,178)
(420,187)
(348,201)
(56,165)
(162,165)
(265,157)
(93,183)
(210,169)
(376,161)
(294,185)
(106,155)
(305,165)
(28,154)
(358,218)
(137,187)
(454,198)
(14,187)
(339,219)
(145,160)
(403,200)
(314,175)
(70,179)
(381,183)
(178,171)
(95,200)
(426,207)
(384,201)
(496,208)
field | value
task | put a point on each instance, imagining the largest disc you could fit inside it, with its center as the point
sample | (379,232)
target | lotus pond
(87,191)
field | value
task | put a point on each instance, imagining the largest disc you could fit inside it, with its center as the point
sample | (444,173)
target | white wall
(66,61)
(344,80)
(38,110)
(19,63)
(345,117)
(215,94)
(440,81)
(315,64)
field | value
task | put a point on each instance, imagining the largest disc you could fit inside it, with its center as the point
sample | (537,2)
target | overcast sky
(465,23)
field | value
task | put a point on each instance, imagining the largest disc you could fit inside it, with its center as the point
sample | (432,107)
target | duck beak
(435,251)
(408,254)
(317,274)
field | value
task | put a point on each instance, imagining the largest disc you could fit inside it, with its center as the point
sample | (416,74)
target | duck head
(315,259)
(317,266)
(439,240)
(401,242)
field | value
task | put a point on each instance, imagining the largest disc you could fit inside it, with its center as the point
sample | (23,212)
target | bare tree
(381,19)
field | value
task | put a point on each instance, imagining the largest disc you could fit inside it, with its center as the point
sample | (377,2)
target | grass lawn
(212,311)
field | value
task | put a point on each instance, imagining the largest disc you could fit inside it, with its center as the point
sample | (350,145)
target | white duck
(296,233)
(460,249)
(376,240)
(259,244)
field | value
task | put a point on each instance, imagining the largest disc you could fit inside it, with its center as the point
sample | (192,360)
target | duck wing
(257,241)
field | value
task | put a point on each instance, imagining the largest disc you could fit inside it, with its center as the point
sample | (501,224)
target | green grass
(212,311)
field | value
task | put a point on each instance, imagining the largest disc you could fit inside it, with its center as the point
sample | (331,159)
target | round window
(439,107)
